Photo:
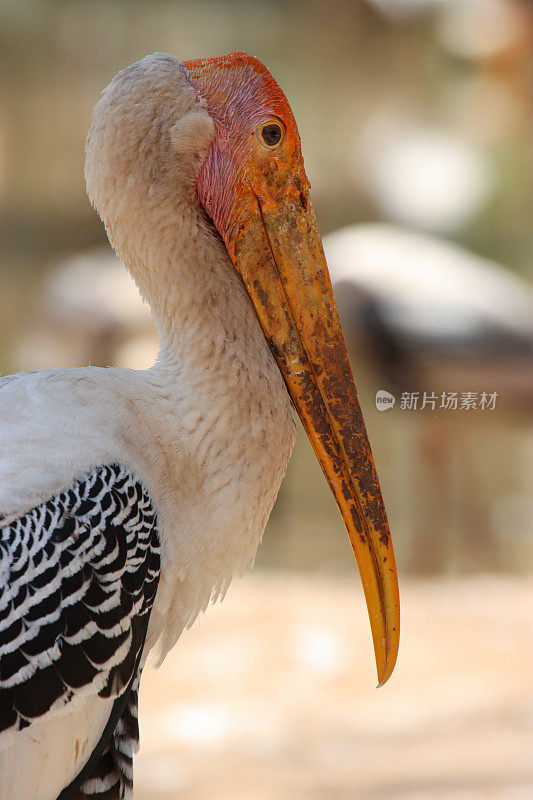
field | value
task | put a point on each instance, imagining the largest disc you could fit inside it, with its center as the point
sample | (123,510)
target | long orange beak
(258,199)
(280,257)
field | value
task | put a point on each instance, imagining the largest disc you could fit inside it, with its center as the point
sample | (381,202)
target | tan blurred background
(416,118)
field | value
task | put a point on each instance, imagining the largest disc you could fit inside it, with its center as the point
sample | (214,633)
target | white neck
(223,412)
(209,426)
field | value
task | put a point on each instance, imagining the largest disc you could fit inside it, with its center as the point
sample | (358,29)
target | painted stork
(128,498)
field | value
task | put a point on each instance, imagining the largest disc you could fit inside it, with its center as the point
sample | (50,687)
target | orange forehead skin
(239,92)
(238,80)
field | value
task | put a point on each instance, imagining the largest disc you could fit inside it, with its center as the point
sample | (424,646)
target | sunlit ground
(271,696)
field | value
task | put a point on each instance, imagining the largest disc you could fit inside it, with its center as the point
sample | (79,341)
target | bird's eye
(270,133)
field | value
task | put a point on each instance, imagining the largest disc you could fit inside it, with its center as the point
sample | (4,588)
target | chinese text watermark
(445,401)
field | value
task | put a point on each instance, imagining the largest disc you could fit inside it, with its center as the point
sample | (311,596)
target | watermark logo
(443,401)
(384,400)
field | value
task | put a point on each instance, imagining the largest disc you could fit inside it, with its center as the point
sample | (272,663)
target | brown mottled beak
(278,252)
(256,192)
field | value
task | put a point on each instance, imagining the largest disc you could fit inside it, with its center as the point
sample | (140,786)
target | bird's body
(209,438)
(129,499)
(434,296)
(207,430)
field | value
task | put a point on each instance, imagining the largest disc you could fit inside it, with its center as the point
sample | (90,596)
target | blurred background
(416,118)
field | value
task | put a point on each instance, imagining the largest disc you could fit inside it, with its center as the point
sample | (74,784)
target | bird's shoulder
(54,425)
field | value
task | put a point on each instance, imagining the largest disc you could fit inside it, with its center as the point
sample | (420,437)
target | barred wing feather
(78,577)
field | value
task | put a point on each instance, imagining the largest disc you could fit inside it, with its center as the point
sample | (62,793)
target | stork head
(255,156)
(224,128)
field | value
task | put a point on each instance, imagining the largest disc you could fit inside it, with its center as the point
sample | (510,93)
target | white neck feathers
(218,416)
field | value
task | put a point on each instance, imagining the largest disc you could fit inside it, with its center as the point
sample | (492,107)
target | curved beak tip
(286,275)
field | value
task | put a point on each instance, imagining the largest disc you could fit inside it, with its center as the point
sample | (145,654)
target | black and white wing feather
(109,774)
(78,577)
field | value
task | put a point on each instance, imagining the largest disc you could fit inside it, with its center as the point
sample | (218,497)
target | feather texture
(112,776)
(78,578)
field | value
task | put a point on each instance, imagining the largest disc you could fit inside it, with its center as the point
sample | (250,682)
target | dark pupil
(271,134)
